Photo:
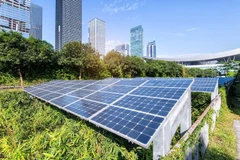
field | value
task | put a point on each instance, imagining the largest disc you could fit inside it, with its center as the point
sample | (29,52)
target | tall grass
(31,129)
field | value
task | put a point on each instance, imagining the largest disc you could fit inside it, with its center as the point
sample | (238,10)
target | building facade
(36,21)
(151,49)
(123,49)
(68,22)
(137,41)
(15,16)
(97,35)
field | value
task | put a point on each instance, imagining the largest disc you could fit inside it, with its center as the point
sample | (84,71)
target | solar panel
(63,100)
(131,108)
(225,80)
(204,84)
(155,106)
(167,82)
(104,97)
(118,89)
(168,93)
(85,108)
(139,127)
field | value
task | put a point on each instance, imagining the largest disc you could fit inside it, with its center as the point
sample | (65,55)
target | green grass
(222,145)
(31,129)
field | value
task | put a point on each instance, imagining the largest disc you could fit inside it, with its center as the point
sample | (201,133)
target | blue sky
(177,26)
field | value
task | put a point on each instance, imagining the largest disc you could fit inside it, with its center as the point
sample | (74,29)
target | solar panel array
(204,84)
(131,108)
(199,84)
(225,80)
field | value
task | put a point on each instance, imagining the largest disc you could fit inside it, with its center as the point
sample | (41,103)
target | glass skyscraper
(137,41)
(15,15)
(68,22)
(97,35)
(36,21)
(123,49)
(151,49)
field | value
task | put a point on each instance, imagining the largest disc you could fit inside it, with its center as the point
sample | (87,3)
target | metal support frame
(179,116)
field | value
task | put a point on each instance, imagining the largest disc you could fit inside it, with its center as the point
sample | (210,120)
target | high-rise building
(15,16)
(151,49)
(137,41)
(36,21)
(123,49)
(97,35)
(68,22)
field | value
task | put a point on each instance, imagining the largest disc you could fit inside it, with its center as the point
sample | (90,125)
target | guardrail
(9,87)
(203,134)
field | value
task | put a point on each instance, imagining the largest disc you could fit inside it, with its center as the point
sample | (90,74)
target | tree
(81,58)
(113,61)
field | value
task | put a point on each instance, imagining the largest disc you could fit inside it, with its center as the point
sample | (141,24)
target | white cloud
(110,45)
(173,34)
(123,5)
(192,29)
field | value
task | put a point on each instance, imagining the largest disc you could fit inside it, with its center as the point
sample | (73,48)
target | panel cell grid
(155,106)
(84,108)
(104,97)
(63,101)
(177,83)
(169,93)
(204,84)
(118,89)
(80,93)
(95,87)
(136,126)
(131,82)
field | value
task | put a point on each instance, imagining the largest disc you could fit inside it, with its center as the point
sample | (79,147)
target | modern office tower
(68,22)
(123,49)
(137,41)
(15,16)
(36,21)
(97,35)
(151,49)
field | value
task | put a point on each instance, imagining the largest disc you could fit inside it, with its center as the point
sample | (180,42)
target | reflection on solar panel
(204,84)
(131,108)
(225,80)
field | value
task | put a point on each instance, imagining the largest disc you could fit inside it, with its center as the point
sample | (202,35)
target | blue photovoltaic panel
(168,93)
(66,90)
(107,81)
(81,93)
(50,96)
(104,97)
(155,106)
(63,101)
(77,86)
(131,108)
(95,87)
(84,108)
(137,126)
(131,82)
(225,80)
(118,89)
(204,84)
(177,83)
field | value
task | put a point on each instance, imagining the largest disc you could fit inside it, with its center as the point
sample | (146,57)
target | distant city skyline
(136,41)
(182,27)
(36,21)
(97,35)
(68,25)
(124,49)
(15,15)
(151,49)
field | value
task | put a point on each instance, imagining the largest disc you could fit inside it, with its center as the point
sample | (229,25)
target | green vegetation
(35,61)
(31,129)
(222,143)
